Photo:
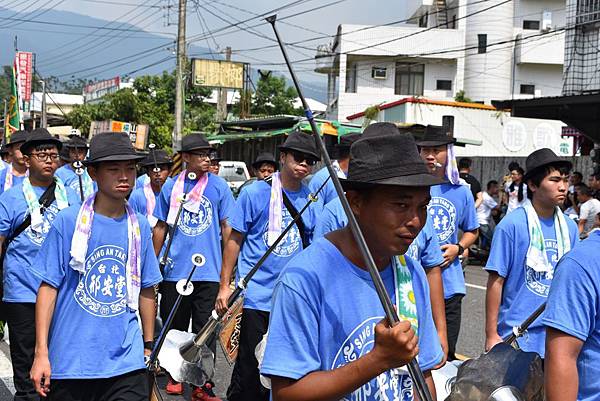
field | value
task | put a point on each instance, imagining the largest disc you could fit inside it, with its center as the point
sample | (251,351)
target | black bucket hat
(387,160)
(215,156)
(17,136)
(380,129)
(435,136)
(301,142)
(542,158)
(75,141)
(162,157)
(111,146)
(265,157)
(39,136)
(194,141)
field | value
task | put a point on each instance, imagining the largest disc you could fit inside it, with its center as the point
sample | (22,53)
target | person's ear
(356,201)
(27,160)
(92,171)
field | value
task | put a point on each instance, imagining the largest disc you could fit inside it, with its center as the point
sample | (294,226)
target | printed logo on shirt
(443,216)
(539,282)
(391,385)
(102,289)
(291,242)
(193,224)
(413,250)
(37,237)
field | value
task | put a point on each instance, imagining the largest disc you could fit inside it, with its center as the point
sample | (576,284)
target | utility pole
(44,118)
(179,76)
(222,96)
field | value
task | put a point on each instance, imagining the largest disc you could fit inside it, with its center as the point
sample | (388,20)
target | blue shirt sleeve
(226,202)
(326,223)
(292,346)
(150,271)
(242,216)
(137,201)
(50,261)
(2,179)
(501,252)
(469,221)
(431,253)
(6,216)
(572,305)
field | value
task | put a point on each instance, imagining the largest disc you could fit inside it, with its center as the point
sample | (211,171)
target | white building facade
(491,50)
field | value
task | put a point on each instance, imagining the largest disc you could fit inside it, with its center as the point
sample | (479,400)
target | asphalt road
(470,344)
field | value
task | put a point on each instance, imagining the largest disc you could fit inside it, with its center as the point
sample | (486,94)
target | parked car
(235,173)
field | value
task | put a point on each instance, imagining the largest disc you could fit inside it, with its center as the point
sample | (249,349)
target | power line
(42,11)
(124,4)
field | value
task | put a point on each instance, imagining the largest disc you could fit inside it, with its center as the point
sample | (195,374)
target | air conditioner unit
(379,73)
(546,20)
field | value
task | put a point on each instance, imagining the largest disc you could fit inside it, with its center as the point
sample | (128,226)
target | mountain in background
(70,53)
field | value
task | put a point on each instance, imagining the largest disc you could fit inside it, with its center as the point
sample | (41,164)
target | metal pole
(181,65)
(43,121)
(390,312)
(222,94)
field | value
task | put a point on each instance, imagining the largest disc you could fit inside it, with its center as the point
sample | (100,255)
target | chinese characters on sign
(218,74)
(24,64)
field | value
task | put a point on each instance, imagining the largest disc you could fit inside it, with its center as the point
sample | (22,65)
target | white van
(235,173)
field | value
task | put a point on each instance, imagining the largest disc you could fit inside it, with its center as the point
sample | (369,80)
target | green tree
(273,96)
(461,97)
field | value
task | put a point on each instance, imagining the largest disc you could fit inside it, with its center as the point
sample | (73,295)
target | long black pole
(392,317)
(520,330)
(189,350)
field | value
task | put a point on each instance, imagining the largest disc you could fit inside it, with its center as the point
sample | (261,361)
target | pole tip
(271,19)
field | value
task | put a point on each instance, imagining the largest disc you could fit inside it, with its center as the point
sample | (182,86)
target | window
(409,79)
(443,85)
(481,43)
(534,25)
(351,79)
(527,89)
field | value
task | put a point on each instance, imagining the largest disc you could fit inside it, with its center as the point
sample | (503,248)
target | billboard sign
(218,74)
(138,133)
(24,66)
(99,89)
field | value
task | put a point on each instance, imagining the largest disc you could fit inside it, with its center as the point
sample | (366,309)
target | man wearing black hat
(22,237)
(526,247)
(328,338)
(4,157)
(451,209)
(261,214)
(16,172)
(143,200)
(98,269)
(70,173)
(202,225)
(214,162)
(263,167)
(340,165)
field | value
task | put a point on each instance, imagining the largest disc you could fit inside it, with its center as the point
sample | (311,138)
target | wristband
(461,250)
(149,345)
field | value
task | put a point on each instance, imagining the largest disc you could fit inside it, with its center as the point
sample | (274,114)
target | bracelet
(461,250)
(149,345)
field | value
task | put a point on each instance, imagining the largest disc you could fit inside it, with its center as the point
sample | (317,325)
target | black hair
(343,152)
(464,163)
(42,147)
(585,190)
(513,166)
(596,175)
(537,176)
(521,186)
(578,174)
(491,183)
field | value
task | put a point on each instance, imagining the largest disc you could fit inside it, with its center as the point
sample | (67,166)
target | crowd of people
(87,245)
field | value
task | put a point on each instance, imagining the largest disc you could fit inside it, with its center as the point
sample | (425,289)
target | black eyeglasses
(202,155)
(299,157)
(42,156)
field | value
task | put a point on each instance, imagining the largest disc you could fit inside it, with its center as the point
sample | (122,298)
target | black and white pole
(78,166)
(390,312)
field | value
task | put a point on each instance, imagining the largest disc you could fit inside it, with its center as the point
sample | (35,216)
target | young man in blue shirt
(97,268)
(526,247)
(259,218)
(40,153)
(16,172)
(77,148)
(328,338)
(452,208)
(572,364)
(201,228)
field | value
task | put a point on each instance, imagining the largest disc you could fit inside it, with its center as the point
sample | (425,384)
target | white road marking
(479,287)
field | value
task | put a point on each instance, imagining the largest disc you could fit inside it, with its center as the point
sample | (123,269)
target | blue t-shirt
(15,181)
(70,179)
(197,232)
(425,248)
(328,193)
(94,334)
(452,208)
(324,312)
(19,284)
(574,308)
(524,289)
(251,218)
(137,200)
(141,181)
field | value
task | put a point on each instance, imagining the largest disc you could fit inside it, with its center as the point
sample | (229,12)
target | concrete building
(495,49)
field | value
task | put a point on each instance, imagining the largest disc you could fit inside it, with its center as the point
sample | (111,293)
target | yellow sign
(218,74)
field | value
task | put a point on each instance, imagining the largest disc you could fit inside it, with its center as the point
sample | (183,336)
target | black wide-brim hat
(111,146)
(435,136)
(193,142)
(301,142)
(265,157)
(75,141)
(39,136)
(387,159)
(542,158)
(161,156)
(17,136)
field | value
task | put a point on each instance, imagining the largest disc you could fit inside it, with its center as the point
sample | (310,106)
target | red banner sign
(25,68)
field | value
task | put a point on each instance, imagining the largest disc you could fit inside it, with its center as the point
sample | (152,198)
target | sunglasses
(300,157)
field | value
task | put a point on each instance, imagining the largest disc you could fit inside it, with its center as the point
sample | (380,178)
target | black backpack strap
(294,212)
(45,200)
